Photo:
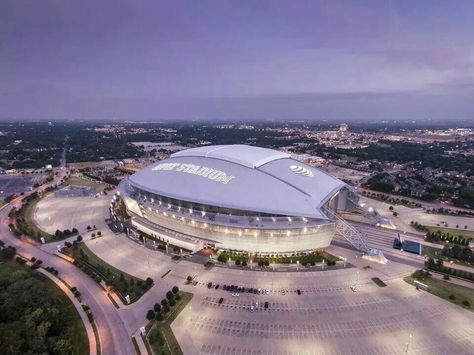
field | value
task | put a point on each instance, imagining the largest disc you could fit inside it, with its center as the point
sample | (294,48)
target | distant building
(343,127)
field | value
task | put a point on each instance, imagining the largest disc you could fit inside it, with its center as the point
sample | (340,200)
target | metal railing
(348,232)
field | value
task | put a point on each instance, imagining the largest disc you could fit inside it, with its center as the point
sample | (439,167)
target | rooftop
(249,156)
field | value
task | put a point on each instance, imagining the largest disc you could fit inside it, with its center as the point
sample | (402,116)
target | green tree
(150,314)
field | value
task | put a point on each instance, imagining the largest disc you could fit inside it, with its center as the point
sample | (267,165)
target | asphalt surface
(114,337)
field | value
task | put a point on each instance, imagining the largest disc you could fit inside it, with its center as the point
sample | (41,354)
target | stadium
(235,197)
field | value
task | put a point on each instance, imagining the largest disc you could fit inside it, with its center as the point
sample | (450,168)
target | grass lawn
(37,232)
(430,251)
(160,337)
(436,253)
(444,289)
(453,231)
(75,331)
(127,286)
(80,181)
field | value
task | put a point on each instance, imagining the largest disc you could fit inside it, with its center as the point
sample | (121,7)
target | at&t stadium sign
(211,174)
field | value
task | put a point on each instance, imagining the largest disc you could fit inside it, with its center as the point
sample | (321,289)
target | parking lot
(327,317)
(52,212)
(10,184)
(372,320)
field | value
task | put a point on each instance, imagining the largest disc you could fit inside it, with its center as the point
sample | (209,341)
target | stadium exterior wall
(168,201)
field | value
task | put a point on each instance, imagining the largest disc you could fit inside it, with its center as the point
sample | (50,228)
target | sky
(231,60)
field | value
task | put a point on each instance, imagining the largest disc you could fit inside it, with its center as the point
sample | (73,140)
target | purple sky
(200,59)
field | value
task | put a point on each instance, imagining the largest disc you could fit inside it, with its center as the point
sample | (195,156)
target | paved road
(113,334)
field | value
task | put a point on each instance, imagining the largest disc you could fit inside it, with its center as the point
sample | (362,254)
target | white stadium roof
(241,177)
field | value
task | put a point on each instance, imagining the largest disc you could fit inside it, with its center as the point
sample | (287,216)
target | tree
(79,238)
(169,295)
(149,281)
(172,302)
(150,314)
(8,253)
(99,233)
(391,208)
(175,289)
(164,302)
(74,230)
(157,307)
(89,228)
(189,278)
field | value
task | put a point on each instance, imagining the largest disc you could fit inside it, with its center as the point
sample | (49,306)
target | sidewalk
(82,314)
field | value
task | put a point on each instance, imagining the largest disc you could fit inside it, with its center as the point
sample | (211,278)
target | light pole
(408,343)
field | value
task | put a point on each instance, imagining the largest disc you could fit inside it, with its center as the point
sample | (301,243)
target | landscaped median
(303,259)
(159,337)
(122,283)
(23,219)
(460,295)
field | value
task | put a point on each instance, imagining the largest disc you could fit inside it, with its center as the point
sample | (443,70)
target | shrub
(149,281)
(172,302)
(466,303)
(452,297)
(157,307)
(164,302)
(8,253)
(446,277)
(159,317)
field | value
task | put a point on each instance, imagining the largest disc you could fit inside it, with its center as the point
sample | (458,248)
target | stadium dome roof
(241,177)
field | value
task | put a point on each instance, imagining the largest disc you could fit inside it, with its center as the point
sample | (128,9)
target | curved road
(114,337)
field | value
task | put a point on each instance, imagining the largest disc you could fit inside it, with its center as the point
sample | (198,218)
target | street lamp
(408,343)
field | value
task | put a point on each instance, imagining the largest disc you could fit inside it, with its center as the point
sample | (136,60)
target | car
(266,305)
(267,292)
(221,300)
(298,291)
(217,287)
(209,285)
(252,309)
